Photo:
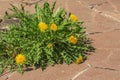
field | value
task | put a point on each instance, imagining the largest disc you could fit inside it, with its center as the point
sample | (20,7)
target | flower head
(20,59)
(53,27)
(73,40)
(49,45)
(79,60)
(73,18)
(42,26)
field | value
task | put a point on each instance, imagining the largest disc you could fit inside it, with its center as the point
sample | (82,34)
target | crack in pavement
(106,68)
(81,72)
(106,14)
(91,66)
(95,5)
(97,32)
(31,3)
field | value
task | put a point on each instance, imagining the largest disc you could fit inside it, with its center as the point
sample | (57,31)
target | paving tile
(105,58)
(99,74)
(58,72)
(115,4)
(114,58)
(109,40)
(102,20)
(102,5)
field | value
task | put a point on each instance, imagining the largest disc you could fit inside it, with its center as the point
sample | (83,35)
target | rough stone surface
(102,22)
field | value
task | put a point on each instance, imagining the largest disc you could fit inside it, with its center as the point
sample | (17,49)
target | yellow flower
(49,45)
(79,60)
(73,40)
(20,59)
(73,18)
(53,27)
(42,26)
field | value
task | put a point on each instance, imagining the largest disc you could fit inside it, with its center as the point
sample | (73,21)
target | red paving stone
(99,74)
(102,21)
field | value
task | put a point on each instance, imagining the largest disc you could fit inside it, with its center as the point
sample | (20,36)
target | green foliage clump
(45,38)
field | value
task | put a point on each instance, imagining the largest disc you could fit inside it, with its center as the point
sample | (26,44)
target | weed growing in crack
(44,38)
